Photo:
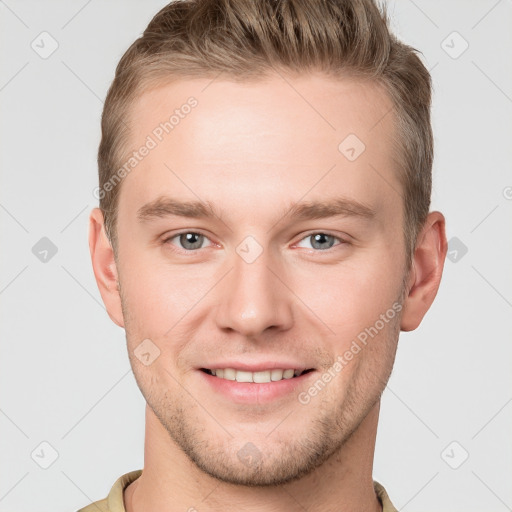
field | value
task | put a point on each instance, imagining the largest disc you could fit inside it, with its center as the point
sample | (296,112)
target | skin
(252,150)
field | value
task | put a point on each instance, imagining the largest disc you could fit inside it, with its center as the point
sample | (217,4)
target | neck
(171,482)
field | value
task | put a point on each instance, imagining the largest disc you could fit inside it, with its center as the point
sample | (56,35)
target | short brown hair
(246,40)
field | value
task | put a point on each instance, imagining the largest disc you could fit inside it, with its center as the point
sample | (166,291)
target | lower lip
(252,392)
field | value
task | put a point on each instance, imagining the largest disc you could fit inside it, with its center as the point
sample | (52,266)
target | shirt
(114,502)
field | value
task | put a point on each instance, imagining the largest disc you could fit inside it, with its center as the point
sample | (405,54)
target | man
(263,236)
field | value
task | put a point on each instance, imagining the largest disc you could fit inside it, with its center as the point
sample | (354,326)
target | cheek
(158,294)
(352,295)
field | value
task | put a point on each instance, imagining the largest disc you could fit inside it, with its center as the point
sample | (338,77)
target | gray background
(65,378)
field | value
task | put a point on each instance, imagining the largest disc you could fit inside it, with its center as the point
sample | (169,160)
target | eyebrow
(167,206)
(331,208)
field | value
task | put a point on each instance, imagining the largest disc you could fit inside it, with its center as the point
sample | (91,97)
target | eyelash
(192,251)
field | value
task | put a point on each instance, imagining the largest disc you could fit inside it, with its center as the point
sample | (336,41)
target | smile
(261,377)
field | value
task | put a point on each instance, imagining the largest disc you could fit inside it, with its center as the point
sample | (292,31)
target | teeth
(243,376)
(258,377)
(276,374)
(288,374)
(229,373)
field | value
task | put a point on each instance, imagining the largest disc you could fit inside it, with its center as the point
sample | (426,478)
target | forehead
(235,141)
(310,106)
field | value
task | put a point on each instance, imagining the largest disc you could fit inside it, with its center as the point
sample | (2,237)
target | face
(293,259)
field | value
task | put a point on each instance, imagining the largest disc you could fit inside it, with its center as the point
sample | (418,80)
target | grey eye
(321,241)
(189,240)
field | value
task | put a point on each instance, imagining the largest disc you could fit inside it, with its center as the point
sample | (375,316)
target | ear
(426,271)
(104,266)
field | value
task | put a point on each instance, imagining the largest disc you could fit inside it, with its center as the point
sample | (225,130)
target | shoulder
(114,502)
(381,493)
(97,506)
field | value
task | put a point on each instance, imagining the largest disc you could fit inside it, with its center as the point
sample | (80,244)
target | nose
(254,299)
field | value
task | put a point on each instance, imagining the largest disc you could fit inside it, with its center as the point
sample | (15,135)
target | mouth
(259,377)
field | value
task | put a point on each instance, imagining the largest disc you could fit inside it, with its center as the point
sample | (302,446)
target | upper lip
(256,366)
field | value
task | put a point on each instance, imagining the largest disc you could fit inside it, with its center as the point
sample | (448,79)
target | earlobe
(426,271)
(104,266)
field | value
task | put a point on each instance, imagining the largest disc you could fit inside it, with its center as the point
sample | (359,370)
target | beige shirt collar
(114,502)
